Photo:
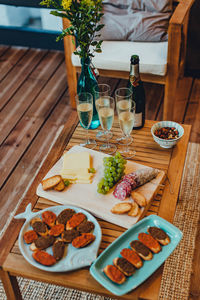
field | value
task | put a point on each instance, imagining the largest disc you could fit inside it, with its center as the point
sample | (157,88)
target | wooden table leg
(11,286)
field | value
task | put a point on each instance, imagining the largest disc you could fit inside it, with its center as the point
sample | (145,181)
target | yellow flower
(66,4)
(88,3)
(46,2)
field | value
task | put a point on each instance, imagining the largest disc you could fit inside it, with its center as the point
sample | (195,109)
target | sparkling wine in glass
(106,116)
(84,103)
(101,91)
(123,97)
(126,122)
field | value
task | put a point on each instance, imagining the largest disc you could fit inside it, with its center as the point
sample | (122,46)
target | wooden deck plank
(18,75)
(27,93)
(22,135)
(3,49)
(9,59)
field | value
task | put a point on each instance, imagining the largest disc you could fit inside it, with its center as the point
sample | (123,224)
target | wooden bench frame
(177,43)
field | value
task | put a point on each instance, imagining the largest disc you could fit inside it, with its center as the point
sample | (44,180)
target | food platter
(87,197)
(148,268)
(73,258)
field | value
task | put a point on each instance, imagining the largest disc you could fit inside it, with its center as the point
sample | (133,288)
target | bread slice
(60,186)
(124,266)
(134,210)
(139,198)
(50,182)
(132,257)
(121,208)
(114,274)
(150,242)
(141,250)
(159,235)
(39,227)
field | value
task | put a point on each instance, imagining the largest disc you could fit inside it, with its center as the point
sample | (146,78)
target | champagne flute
(84,103)
(106,110)
(122,97)
(100,91)
(126,122)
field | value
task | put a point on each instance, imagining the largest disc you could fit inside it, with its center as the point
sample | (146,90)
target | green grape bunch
(114,167)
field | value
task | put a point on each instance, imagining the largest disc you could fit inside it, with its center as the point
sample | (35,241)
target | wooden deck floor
(34,103)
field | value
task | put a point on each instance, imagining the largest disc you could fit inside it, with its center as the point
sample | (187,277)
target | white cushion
(116,56)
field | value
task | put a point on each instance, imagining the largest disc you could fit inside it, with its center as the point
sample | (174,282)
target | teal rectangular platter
(148,268)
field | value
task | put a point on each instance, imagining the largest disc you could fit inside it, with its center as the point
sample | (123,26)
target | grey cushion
(136,20)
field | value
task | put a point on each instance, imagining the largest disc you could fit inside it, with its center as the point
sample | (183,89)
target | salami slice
(131,178)
(122,190)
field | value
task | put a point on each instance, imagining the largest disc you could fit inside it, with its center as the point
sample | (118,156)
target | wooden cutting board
(86,196)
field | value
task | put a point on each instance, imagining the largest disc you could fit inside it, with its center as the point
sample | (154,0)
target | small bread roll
(121,208)
(139,198)
(134,210)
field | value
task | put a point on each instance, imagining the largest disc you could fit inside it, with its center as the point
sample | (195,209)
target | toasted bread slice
(69,235)
(57,229)
(43,242)
(114,274)
(30,236)
(58,249)
(141,250)
(75,220)
(139,198)
(60,186)
(121,208)
(39,226)
(64,216)
(83,240)
(150,242)
(159,235)
(49,218)
(44,258)
(132,257)
(124,266)
(134,210)
(50,182)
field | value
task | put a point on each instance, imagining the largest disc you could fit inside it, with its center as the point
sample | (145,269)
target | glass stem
(107,140)
(87,136)
(126,147)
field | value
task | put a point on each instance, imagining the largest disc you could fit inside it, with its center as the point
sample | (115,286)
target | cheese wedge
(79,160)
(76,167)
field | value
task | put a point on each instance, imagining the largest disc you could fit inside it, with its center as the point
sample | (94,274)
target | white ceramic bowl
(167,143)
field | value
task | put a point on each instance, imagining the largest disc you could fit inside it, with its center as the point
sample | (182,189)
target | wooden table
(148,153)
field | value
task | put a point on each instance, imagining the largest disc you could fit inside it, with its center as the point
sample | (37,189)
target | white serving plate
(86,196)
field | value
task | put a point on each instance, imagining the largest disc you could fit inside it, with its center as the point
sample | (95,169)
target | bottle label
(134,80)
(137,120)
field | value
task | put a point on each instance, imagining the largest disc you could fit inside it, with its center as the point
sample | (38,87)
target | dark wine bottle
(136,85)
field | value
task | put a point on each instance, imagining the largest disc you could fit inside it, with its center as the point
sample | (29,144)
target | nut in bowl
(167,133)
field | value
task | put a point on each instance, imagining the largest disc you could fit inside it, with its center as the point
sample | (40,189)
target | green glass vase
(87,83)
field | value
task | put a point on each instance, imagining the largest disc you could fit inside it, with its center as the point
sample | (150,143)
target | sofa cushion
(116,56)
(134,20)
